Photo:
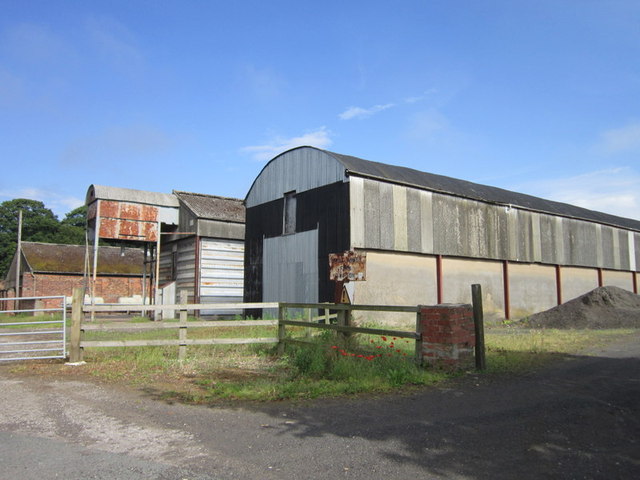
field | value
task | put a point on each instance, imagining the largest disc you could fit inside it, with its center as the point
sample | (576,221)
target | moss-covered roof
(213,207)
(55,258)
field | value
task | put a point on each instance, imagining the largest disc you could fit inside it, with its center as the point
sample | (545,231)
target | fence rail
(340,313)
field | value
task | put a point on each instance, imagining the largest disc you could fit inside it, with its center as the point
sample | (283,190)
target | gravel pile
(604,307)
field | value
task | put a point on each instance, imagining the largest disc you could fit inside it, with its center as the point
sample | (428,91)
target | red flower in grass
(334,346)
(398,350)
(384,339)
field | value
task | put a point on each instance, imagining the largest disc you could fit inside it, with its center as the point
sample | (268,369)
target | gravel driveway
(579,418)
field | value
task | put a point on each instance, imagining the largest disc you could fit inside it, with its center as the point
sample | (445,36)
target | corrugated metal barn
(426,238)
(205,254)
(200,239)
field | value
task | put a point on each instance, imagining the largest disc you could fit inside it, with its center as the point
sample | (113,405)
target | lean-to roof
(69,259)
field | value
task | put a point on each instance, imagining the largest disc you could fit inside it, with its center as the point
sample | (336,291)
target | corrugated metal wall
(221,273)
(404,219)
(186,268)
(290,272)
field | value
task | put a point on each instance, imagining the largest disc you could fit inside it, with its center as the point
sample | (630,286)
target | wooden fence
(341,313)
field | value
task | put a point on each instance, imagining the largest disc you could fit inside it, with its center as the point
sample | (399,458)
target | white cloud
(320,138)
(621,140)
(58,202)
(615,191)
(359,112)
(420,98)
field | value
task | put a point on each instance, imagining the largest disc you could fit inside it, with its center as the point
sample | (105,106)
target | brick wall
(448,335)
(108,288)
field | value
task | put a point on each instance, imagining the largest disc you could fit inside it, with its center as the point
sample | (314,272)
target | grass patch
(330,365)
(516,350)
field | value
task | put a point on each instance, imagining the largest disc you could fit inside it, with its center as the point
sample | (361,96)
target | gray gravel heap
(604,307)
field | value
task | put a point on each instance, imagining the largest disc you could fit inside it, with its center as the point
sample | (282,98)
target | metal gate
(30,330)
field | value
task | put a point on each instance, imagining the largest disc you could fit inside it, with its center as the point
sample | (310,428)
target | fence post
(75,350)
(281,328)
(478,321)
(419,360)
(182,332)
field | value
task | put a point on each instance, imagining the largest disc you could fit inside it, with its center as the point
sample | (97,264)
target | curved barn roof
(101,192)
(461,188)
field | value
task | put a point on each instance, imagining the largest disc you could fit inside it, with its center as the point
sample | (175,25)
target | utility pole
(18,258)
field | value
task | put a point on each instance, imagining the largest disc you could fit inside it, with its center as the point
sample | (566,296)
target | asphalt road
(578,419)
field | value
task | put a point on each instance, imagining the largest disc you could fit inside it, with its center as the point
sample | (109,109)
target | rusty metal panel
(127,221)
(118,229)
(109,209)
(348,266)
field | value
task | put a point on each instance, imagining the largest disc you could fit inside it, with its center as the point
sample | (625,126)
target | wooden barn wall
(325,209)
(403,219)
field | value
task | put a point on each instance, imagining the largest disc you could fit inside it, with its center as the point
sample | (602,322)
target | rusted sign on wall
(349,266)
(126,221)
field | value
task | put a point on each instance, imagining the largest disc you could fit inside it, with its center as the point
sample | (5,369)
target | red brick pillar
(448,336)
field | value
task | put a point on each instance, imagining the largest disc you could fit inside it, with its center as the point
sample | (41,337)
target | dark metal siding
(325,209)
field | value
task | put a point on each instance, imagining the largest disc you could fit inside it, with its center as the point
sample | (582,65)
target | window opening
(289,221)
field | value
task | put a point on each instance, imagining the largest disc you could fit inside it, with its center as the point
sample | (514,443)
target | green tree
(72,227)
(76,217)
(39,224)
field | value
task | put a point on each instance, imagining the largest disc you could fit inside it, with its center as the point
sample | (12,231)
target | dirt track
(578,419)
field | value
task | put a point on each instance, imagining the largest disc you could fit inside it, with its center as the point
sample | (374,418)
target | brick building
(51,270)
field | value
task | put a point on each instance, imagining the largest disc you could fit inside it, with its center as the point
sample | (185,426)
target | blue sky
(540,97)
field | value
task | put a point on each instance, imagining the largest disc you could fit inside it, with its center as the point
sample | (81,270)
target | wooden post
(281,328)
(182,332)
(439,281)
(478,321)
(507,295)
(307,332)
(341,320)
(559,285)
(75,350)
(419,329)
